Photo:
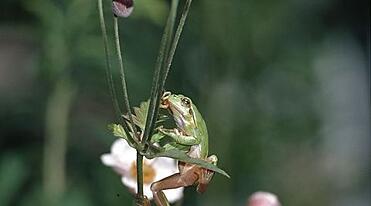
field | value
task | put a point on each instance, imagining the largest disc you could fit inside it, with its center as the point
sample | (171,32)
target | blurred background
(283,86)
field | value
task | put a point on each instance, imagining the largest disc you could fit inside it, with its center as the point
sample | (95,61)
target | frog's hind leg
(206,175)
(177,180)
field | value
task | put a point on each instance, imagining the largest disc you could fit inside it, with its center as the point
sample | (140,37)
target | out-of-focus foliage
(12,175)
(282,85)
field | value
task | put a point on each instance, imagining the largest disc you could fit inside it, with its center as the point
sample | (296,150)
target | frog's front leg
(188,176)
(179,137)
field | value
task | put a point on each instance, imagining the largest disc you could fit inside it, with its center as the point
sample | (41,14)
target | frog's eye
(186,102)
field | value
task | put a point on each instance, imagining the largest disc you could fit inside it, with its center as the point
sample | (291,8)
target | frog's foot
(206,175)
(142,201)
(174,181)
(157,137)
(213,159)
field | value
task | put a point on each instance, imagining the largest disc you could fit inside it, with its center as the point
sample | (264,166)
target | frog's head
(180,106)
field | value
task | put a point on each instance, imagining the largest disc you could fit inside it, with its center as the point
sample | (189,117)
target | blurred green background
(283,87)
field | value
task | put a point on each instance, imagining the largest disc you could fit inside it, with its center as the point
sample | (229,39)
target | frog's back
(201,125)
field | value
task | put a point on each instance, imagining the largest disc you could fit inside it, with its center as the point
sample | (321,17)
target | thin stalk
(154,100)
(123,79)
(109,77)
(171,22)
(176,40)
(140,176)
(127,105)
(173,13)
(108,61)
(168,62)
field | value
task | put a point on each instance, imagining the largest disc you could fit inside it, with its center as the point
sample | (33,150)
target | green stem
(176,41)
(166,68)
(154,98)
(140,176)
(127,105)
(109,74)
(172,14)
(123,79)
(108,61)
(171,22)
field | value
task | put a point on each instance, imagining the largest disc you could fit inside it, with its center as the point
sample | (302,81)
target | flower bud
(122,8)
(263,199)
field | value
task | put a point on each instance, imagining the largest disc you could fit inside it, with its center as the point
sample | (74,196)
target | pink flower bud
(263,199)
(122,8)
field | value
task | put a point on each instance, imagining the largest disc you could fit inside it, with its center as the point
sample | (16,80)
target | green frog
(190,133)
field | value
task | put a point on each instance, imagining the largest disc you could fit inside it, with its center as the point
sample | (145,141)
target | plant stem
(127,105)
(154,100)
(166,53)
(108,61)
(123,79)
(140,176)
(172,14)
(153,111)
(171,22)
(176,41)
(109,77)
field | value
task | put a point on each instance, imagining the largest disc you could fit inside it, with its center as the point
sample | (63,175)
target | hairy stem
(127,105)
(109,77)
(108,61)
(154,100)
(140,176)
(176,41)
(123,78)
(165,68)
(172,15)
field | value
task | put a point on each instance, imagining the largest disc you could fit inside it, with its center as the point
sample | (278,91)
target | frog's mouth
(166,104)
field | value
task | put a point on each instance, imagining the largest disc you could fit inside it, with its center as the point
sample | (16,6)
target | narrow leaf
(182,156)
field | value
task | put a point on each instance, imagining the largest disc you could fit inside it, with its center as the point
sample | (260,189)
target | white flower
(123,160)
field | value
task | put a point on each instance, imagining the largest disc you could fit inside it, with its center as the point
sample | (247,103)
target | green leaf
(157,137)
(182,156)
(140,115)
(118,131)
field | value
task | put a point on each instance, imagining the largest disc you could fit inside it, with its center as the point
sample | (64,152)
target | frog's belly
(194,152)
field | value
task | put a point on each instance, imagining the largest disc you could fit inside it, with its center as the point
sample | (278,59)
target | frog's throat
(179,110)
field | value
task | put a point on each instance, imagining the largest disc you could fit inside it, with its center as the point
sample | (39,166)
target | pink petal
(263,199)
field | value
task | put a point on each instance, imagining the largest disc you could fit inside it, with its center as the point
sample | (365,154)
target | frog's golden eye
(186,102)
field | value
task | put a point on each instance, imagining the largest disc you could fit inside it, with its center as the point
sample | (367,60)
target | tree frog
(190,132)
